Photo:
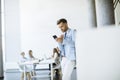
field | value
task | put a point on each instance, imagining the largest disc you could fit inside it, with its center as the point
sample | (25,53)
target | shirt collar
(67,31)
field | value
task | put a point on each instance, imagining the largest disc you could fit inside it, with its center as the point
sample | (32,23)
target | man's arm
(61,47)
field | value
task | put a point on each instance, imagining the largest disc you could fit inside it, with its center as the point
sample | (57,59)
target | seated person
(56,56)
(24,59)
(31,57)
(56,65)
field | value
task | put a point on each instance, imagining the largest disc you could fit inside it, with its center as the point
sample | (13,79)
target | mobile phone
(54,36)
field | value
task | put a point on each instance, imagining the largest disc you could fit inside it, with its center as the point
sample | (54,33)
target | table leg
(24,73)
(51,71)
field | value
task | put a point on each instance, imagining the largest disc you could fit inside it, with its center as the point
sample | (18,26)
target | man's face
(63,26)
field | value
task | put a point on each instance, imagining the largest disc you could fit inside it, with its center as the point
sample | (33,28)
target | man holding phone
(67,47)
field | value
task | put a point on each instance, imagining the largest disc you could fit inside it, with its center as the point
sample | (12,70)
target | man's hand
(60,39)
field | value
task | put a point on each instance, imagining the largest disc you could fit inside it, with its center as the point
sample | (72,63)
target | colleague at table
(24,59)
(67,47)
(56,56)
(56,66)
(31,57)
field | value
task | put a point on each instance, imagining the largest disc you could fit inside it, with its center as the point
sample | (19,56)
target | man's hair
(63,20)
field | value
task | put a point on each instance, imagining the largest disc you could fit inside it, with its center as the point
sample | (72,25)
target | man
(67,47)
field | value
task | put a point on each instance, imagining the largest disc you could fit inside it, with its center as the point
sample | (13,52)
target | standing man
(67,47)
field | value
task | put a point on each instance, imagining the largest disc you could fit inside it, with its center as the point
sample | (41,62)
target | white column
(12,33)
(1,54)
(91,13)
(88,14)
(105,12)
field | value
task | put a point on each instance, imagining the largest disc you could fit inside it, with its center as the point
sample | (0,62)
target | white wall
(38,23)
(98,54)
(11,36)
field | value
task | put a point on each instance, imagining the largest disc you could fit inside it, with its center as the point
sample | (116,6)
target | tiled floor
(15,75)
